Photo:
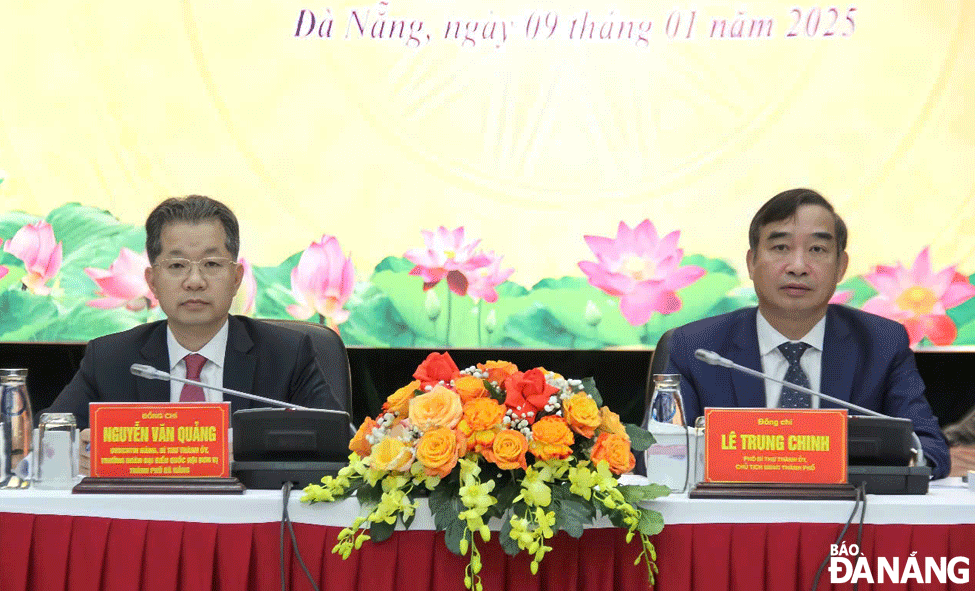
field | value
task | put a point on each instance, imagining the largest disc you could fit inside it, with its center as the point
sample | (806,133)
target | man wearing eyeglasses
(192,244)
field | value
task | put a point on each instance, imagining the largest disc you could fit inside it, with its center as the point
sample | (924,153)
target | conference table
(57,540)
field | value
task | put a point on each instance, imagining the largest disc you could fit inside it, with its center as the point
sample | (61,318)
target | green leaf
(574,513)
(567,299)
(23,315)
(589,385)
(651,522)
(504,495)
(963,313)
(370,495)
(862,291)
(494,391)
(508,544)
(77,225)
(453,534)
(640,439)
(395,264)
(380,531)
(709,265)
(634,493)
(966,335)
(374,322)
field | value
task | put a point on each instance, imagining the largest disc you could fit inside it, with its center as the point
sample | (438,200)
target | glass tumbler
(668,459)
(56,453)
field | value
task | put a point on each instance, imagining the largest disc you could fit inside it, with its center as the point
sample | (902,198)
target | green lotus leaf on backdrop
(24,315)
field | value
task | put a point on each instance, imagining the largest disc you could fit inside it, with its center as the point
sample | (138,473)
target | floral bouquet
(534,449)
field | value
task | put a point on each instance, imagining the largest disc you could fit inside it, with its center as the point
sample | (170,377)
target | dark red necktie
(194,365)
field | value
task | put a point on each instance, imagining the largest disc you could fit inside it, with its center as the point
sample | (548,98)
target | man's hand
(84,455)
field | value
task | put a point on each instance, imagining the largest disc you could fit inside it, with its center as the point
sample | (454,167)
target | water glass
(668,460)
(56,453)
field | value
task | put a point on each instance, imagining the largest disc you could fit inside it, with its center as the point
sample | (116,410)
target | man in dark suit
(797,255)
(192,245)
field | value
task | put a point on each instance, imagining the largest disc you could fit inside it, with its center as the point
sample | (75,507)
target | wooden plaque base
(160,486)
(763,490)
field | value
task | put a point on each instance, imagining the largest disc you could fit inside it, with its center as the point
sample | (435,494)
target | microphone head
(146,371)
(711,358)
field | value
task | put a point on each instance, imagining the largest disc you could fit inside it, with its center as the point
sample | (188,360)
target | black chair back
(331,355)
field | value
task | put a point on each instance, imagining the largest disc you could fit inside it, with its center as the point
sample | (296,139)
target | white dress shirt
(776,365)
(212,372)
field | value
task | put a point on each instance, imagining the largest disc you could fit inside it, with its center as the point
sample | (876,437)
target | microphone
(712,358)
(151,373)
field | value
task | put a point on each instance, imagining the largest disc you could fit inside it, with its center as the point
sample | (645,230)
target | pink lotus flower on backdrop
(842,297)
(245,302)
(918,298)
(447,256)
(34,244)
(3,270)
(123,283)
(641,269)
(322,282)
(484,280)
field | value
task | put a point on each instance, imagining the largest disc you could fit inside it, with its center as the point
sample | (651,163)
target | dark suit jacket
(866,360)
(261,359)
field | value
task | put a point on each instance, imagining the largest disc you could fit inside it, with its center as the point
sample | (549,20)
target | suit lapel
(239,364)
(155,352)
(839,359)
(748,391)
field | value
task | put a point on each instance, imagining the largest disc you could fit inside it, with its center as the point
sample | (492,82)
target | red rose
(436,367)
(527,392)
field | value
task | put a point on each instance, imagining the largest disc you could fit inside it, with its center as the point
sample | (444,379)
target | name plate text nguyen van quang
(771,445)
(140,440)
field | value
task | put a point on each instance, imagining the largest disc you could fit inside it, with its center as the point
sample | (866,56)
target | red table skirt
(53,552)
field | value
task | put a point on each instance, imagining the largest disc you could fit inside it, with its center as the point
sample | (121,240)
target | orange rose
(436,368)
(359,443)
(551,438)
(611,422)
(437,451)
(439,407)
(614,449)
(582,414)
(469,388)
(483,413)
(527,392)
(399,401)
(508,450)
(391,455)
(482,419)
(498,371)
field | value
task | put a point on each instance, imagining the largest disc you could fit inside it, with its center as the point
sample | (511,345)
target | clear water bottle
(16,426)
(668,460)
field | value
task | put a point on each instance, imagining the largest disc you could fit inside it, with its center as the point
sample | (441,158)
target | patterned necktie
(793,398)
(194,365)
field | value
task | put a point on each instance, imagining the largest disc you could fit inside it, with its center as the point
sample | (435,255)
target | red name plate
(775,445)
(136,440)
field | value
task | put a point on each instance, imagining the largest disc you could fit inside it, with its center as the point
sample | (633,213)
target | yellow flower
(611,422)
(614,450)
(399,401)
(438,450)
(438,408)
(359,444)
(498,371)
(508,450)
(391,455)
(551,438)
(582,414)
(583,480)
(534,491)
(470,388)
